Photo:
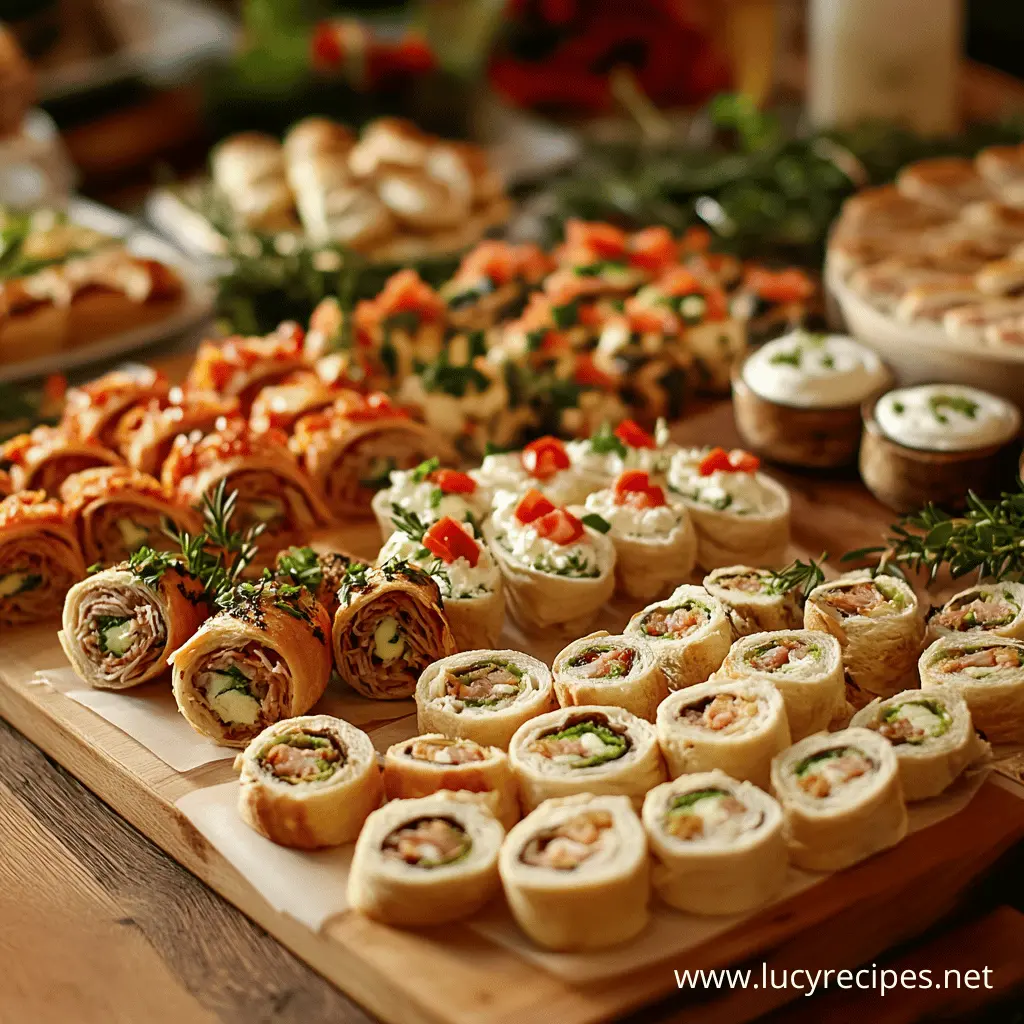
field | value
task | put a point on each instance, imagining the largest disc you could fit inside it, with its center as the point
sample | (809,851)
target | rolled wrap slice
(932,734)
(430,763)
(751,602)
(483,695)
(994,608)
(321,572)
(388,628)
(118,510)
(804,665)
(265,658)
(622,671)
(44,459)
(989,672)
(689,632)
(841,798)
(94,410)
(309,782)
(122,624)
(40,558)
(736,725)
(717,843)
(426,861)
(589,749)
(279,406)
(879,624)
(576,873)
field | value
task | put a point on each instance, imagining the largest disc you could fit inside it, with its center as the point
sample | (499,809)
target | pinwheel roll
(93,411)
(841,798)
(576,873)
(989,672)
(689,632)
(279,406)
(483,695)
(588,749)
(621,671)
(321,572)
(265,658)
(931,732)
(388,628)
(804,665)
(994,608)
(44,459)
(309,782)
(272,490)
(879,624)
(426,861)
(429,493)
(736,725)
(545,465)
(752,602)
(718,844)
(427,764)
(40,558)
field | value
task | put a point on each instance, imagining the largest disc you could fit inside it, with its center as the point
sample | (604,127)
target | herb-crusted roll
(718,844)
(426,861)
(264,658)
(995,608)
(309,782)
(427,764)
(585,750)
(576,873)
(622,671)
(388,628)
(804,665)
(122,624)
(931,732)
(737,725)
(689,632)
(322,573)
(483,695)
(752,601)
(841,796)
(879,624)
(989,672)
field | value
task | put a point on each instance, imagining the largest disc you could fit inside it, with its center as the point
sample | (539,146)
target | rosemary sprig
(407,521)
(798,575)
(301,566)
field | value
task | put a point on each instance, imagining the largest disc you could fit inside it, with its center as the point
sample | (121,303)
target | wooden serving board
(452,975)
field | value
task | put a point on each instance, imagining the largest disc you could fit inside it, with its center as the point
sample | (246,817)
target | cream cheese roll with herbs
(797,399)
(736,725)
(426,861)
(740,514)
(805,666)
(879,624)
(622,671)
(989,672)
(543,465)
(932,734)
(933,443)
(483,696)
(993,608)
(576,873)
(717,843)
(753,600)
(689,632)
(841,798)
(309,782)
(610,452)
(585,749)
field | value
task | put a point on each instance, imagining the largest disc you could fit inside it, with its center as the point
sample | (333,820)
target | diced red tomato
(644,320)
(491,259)
(695,239)
(588,375)
(653,249)
(679,281)
(630,433)
(451,481)
(326,48)
(559,526)
(544,457)
(362,408)
(532,506)
(736,461)
(789,285)
(605,241)
(407,292)
(590,314)
(634,487)
(448,541)
(744,462)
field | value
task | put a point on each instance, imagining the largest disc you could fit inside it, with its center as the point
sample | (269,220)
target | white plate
(194,308)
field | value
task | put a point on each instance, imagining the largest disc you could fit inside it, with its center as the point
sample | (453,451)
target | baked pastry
(46,457)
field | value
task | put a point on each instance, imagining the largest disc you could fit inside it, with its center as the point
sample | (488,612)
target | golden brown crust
(92,411)
(278,406)
(45,458)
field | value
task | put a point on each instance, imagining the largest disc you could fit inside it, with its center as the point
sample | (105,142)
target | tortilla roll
(932,734)
(576,873)
(93,411)
(483,695)
(280,406)
(621,671)
(750,601)
(717,843)
(589,749)
(689,632)
(45,458)
(263,659)
(993,608)
(735,725)
(388,628)
(841,797)
(426,861)
(40,559)
(309,782)
(879,624)
(430,763)
(989,672)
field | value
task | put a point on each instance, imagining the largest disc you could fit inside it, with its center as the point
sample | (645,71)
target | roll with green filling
(752,602)
(994,608)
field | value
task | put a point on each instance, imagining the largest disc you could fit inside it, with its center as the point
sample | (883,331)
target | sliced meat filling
(710,813)
(484,684)
(565,847)
(35,574)
(981,662)
(821,774)
(747,583)
(977,614)
(725,712)
(244,688)
(854,599)
(365,467)
(912,722)
(55,470)
(583,743)
(121,632)
(444,751)
(604,662)
(266,499)
(779,654)
(675,623)
(304,757)
(120,529)
(427,843)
